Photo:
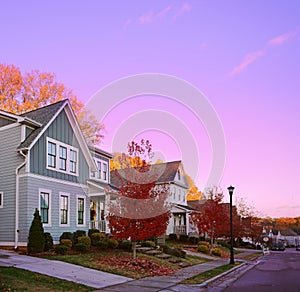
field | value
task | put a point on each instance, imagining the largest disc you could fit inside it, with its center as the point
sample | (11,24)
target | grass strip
(202,277)
(13,279)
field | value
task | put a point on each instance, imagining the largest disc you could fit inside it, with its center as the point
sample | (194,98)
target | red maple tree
(140,209)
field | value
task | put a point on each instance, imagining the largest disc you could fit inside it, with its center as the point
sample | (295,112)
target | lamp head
(230,190)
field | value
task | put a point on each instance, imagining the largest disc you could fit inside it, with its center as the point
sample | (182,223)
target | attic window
(178,173)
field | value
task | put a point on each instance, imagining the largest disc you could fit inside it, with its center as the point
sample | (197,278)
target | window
(44,207)
(1,200)
(64,209)
(178,172)
(99,168)
(104,171)
(63,158)
(73,161)
(51,154)
(80,211)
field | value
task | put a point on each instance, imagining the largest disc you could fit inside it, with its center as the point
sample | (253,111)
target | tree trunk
(134,249)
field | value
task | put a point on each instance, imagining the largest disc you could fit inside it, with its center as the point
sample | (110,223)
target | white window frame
(57,157)
(101,171)
(84,211)
(1,199)
(49,209)
(61,194)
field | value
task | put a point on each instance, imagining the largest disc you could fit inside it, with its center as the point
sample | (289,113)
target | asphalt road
(277,272)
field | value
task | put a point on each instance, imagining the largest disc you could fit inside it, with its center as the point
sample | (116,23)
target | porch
(98,224)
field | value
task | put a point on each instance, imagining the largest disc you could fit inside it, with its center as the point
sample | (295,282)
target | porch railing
(98,224)
(180,229)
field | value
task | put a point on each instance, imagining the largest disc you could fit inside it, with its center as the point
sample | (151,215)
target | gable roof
(167,171)
(43,116)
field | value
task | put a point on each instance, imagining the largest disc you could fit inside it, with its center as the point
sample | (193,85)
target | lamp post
(230,190)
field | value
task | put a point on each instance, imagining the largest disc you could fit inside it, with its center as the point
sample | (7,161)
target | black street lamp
(230,190)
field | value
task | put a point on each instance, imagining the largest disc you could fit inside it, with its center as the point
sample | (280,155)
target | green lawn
(200,278)
(13,279)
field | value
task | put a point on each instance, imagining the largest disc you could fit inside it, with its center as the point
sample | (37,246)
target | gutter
(17,200)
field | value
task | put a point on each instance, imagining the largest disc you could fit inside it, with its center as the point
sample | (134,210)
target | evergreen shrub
(36,239)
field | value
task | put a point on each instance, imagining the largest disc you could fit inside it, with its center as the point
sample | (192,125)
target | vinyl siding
(9,160)
(28,204)
(4,121)
(62,131)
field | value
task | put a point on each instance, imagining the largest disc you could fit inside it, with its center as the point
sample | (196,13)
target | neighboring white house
(172,174)
(288,237)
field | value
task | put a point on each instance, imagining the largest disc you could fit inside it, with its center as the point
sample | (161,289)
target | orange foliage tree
(21,93)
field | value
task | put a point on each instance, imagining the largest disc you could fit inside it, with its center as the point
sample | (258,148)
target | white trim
(3,128)
(1,199)
(11,243)
(69,148)
(84,210)
(23,133)
(41,190)
(100,173)
(47,178)
(68,214)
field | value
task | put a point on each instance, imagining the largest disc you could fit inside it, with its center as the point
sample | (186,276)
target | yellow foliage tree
(20,93)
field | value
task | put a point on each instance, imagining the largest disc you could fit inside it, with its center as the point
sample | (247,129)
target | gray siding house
(45,163)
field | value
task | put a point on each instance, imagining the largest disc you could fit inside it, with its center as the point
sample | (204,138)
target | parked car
(278,246)
(298,247)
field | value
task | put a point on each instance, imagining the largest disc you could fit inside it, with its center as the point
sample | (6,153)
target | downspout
(17,200)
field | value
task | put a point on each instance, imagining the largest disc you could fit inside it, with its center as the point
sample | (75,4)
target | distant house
(288,237)
(46,164)
(172,174)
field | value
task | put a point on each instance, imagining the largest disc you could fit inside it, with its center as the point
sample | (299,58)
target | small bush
(66,235)
(112,243)
(77,234)
(193,240)
(61,249)
(66,242)
(126,245)
(48,241)
(102,244)
(92,231)
(173,236)
(203,248)
(177,252)
(96,237)
(183,238)
(216,252)
(85,240)
(148,243)
(206,243)
(81,247)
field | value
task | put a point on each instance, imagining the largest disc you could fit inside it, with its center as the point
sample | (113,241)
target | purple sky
(242,55)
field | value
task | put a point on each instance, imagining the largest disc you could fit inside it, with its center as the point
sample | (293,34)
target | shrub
(48,241)
(216,251)
(85,240)
(173,236)
(112,243)
(77,234)
(203,248)
(96,237)
(36,239)
(61,249)
(225,244)
(193,240)
(81,247)
(126,244)
(92,231)
(148,243)
(206,243)
(102,244)
(183,238)
(66,235)
(66,242)
(177,252)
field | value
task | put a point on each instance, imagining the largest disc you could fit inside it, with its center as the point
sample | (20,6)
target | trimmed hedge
(92,231)
(77,234)
(203,248)
(112,243)
(66,235)
(173,236)
(102,244)
(36,239)
(61,249)
(85,240)
(148,243)
(66,242)
(126,245)
(177,252)
(206,243)
(48,241)
(96,237)
(216,252)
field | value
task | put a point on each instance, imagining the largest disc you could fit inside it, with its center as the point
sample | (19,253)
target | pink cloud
(185,7)
(147,18)
(126,24)
(279,40)
(249,59)
(164,12)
